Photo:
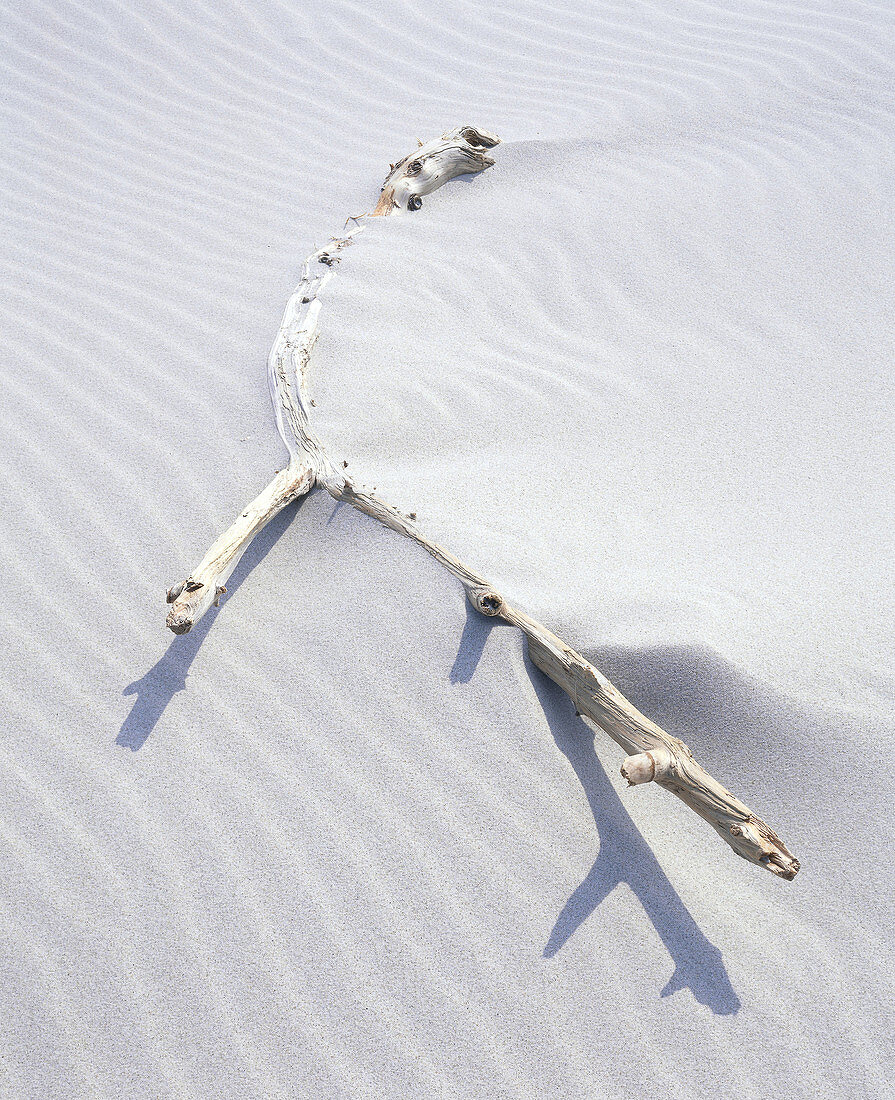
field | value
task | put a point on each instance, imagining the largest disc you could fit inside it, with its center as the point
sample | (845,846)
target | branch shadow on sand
(624,856)
(155,690)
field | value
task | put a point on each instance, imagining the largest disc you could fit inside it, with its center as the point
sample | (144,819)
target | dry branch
(206,584)
(653,755)
(433,164)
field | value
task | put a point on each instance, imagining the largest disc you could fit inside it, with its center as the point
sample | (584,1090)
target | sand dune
(343,840)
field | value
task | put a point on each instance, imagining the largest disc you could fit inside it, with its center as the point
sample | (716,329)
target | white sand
(342,840)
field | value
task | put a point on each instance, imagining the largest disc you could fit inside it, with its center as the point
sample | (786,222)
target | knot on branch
(174,591)
(486,601)
(478,139)
(190,599)
(647,766)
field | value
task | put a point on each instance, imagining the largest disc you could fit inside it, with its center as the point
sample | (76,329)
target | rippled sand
(342,840)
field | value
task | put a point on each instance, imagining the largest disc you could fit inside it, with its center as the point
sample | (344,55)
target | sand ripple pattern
(341,841)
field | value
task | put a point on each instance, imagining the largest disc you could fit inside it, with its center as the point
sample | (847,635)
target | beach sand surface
(343,840)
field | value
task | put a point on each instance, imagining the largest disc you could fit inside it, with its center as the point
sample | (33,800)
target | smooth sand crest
(637,373)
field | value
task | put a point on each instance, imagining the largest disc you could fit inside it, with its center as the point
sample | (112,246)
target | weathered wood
(308,462)
(287,363)
(432,165)
(653,755)
(203,588)
(671,764)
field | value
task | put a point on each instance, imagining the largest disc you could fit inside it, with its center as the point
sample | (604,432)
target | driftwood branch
(653,755)
(287,367)
(433,164)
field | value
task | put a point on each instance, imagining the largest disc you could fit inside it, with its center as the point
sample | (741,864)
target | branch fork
(653,756)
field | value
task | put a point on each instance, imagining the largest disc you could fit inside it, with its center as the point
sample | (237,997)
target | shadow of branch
(624,855)
(472,645)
